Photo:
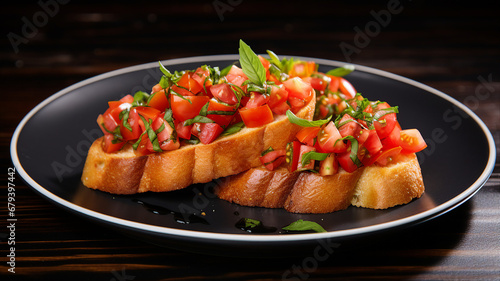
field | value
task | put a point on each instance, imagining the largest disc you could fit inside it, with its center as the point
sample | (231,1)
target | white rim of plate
(244,237)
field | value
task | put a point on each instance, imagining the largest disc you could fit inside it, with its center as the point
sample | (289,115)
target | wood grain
(447,46)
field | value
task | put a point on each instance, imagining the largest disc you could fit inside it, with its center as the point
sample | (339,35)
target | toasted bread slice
(123,172)
(373,187)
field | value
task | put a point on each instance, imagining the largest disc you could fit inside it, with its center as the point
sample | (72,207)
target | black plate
(50,144)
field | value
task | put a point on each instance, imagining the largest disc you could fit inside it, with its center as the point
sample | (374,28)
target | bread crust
(124,173)
(375,187)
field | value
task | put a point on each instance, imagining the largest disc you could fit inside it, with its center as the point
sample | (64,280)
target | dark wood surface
(447,46)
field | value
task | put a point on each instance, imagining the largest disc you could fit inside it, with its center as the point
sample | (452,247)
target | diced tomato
(206,132)
(142,147)
(164,136)
(109,122)
(224,93)
(346,162)
(292,155)
(155,89)
(200,76)
(181,91)
(373,143)
(264,61)
(329,166)
(385,124)
(412,141)
(385,157)
(279,94)
(133,121)
(394,138)
(148,113)
(222,119)
(303,69)
(127,99)
(334,84)
(256,100)
(306,135)
(183,131)
(317,83)
(236,71)
(299,92)
(348,126)
(273,159)
(256,117)
(187,107)
(237,80)
(109,146)
(346,88)
(281,108)
(159,100)
(187,82)
(329,139)
(303,150)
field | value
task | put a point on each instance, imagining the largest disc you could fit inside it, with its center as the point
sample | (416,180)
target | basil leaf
(305,123)
(275,59)
(151,134)
(124,116)
(220,112)
(136,144)
(312,155)
(251,65)
(164,70)
(179,95)
(302,225)
(203,110)
(233,129)
(164,82)
(140,98)
(385,111)
(198,119)
(226,70)
(251,223)
(354,149)
(341,71)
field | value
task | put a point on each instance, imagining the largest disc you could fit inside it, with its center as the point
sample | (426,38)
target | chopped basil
(251,223)
(312,155)
(354,149)
(198,119)
(267,151)
(233,129)
(341,71)
(151,134)
(385,111)
(164,70)
(275,59)
(305,123)
(251,65)
(180,96)
(140,98)
(302,225)
(124,114)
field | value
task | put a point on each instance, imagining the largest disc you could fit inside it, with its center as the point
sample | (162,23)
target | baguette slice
(373,187)
(123,172)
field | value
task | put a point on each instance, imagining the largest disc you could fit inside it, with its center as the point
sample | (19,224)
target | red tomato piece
(346,88)
(385,157)
(334,84)
(412,141)
(292,155)
(273,159)
(127,99)
(187,82)
(346,162)
(183,109)
(256,117)
(373,143)
(164,136)
(329,166)
(133,121)
(256,100)
(221,119)
(183,132)
(299,92)
(224,93)
(303,150)
(306,135)
(159,100)
(348,126)
(329,139)
(109,146)
(148,113)
(206,132)
(279,94)
(281,108)
(385,124)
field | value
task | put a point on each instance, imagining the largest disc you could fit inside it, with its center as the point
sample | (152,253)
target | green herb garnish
(302,225)
(305,123)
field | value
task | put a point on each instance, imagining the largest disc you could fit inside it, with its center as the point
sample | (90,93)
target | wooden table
(49,46)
